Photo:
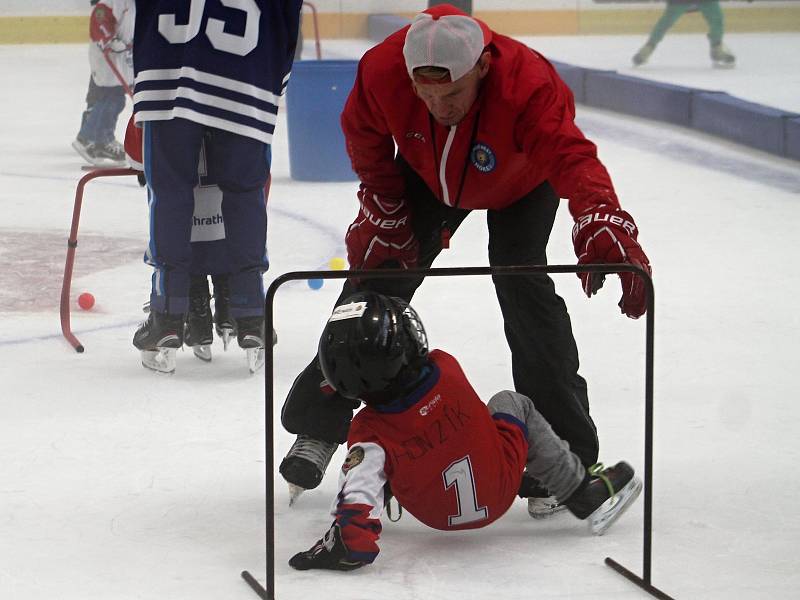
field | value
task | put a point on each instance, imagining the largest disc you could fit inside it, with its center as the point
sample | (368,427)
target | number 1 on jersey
(459,474)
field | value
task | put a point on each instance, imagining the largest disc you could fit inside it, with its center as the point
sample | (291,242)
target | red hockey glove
(328,553)
(608,235)
(133,145)
(381,233)
(102,24)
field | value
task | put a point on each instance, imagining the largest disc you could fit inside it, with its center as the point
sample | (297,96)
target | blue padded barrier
(762,127)
(574,77)
(379,27)
(754,125)
(793,138)
(747,123)
(639,97)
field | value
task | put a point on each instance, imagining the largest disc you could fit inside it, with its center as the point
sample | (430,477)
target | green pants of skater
(710,10)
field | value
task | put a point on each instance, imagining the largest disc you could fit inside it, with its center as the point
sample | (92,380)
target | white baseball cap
(445,37)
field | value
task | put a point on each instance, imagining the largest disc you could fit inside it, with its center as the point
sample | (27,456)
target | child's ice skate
(199,327)
(158,339)
(604,495)
(305,464)
(721,57)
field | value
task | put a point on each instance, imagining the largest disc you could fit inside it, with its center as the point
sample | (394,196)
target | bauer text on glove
(609,235)
(381,233)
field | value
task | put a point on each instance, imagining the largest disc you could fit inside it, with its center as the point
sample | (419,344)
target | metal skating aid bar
(268,592)
(629,575)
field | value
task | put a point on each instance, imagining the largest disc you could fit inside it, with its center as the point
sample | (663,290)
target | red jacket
(524,135)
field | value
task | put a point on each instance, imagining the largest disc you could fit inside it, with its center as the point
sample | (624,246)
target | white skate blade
(203,352)
(255,358)
(612,509)
(294,493)
(722,65)
(391,512)
(161,360)
(226,338)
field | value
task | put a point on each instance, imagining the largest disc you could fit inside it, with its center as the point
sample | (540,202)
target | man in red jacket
(479,122)
(450,460)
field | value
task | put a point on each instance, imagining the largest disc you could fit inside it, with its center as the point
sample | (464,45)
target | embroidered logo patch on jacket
(483,158)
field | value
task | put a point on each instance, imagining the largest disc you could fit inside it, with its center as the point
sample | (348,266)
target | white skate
(161,360)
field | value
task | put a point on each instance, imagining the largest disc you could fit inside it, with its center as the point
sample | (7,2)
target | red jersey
(448,461)
(519,133)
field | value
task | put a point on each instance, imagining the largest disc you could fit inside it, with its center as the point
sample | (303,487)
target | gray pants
(549,458)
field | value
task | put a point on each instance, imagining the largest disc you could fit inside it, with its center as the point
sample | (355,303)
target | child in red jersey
(449,459)
(111,63)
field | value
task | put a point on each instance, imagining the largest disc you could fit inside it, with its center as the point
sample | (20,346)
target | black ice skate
(224,323)
(85,148)
(721,57)
(158,338)
(604,495)
(111,154)
(541,503)
(199,326)
(305,464)
(643,55)
(250,335)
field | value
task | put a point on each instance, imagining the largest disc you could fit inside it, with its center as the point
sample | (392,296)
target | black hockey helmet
(373,347)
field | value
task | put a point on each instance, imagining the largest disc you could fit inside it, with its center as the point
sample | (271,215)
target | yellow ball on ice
(337,263)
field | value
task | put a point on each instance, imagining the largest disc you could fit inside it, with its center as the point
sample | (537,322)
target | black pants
(537,327)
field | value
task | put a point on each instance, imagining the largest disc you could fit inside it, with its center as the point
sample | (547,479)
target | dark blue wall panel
(793,138)
(755,125)
(574,77)
(744,122)
(639,97)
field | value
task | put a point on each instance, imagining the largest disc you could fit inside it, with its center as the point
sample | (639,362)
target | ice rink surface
(118,483)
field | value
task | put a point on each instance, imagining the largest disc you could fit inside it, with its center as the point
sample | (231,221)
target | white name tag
(207,222)
(348,311)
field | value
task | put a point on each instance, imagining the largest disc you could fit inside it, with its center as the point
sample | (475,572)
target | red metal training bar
(72,244)
(267,592)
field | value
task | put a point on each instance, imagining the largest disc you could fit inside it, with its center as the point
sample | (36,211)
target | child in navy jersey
(208,74)
(209,259)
